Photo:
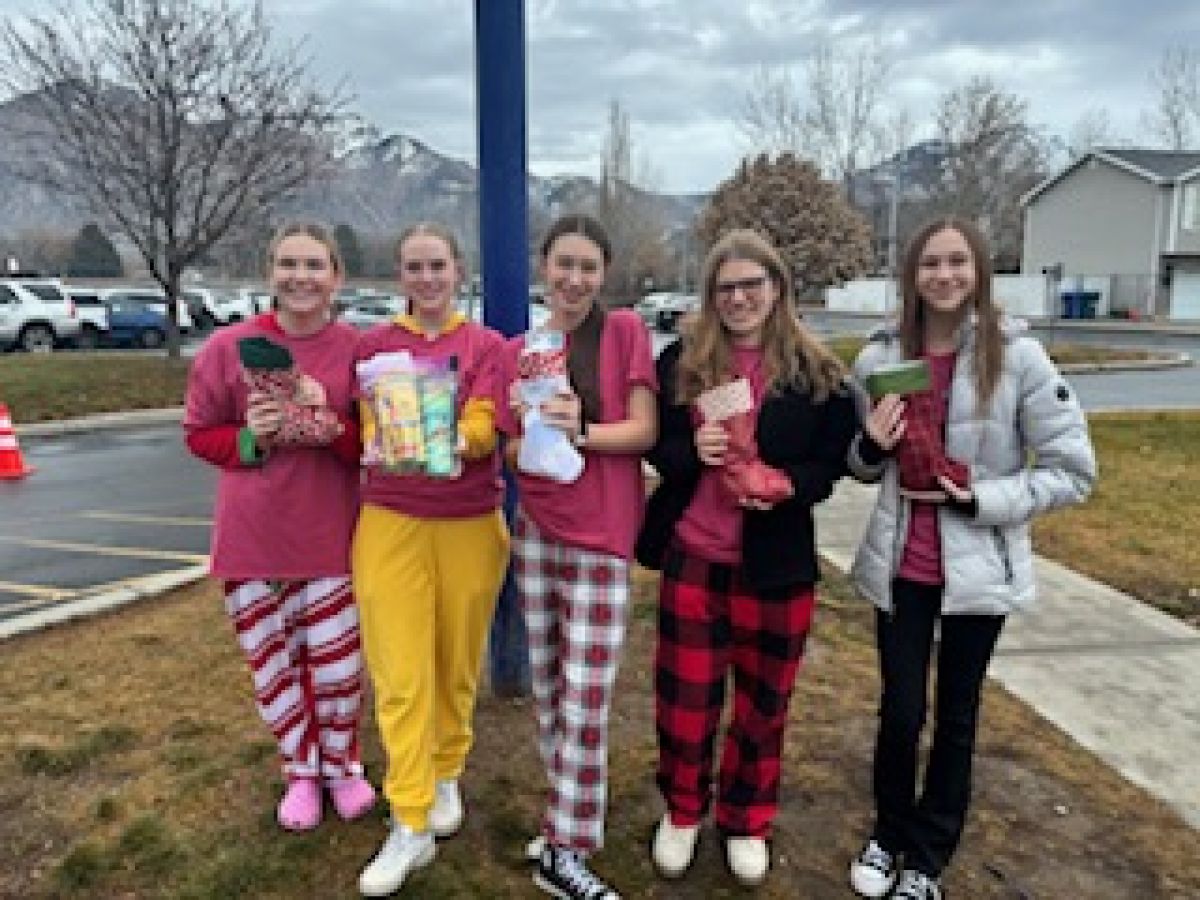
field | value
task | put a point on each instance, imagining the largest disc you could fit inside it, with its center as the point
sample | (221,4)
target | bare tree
(1093,128)
(836,122)
(771,114)
(1175,118)
(992,157)
(623,205)
(174,120)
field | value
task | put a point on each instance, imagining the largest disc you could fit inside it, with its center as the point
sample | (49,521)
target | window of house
(1191,207)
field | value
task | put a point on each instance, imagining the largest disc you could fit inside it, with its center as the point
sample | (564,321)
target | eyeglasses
(751,287)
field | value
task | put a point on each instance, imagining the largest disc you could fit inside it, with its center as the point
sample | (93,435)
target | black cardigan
(806,440)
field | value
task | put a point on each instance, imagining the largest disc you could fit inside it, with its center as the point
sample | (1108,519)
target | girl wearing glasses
(738,571)
(959,555)
(572,544)
(428,557)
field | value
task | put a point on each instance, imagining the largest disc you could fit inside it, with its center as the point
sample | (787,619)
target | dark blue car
(134,323)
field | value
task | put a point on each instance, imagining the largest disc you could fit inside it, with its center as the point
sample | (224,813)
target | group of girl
(323,560)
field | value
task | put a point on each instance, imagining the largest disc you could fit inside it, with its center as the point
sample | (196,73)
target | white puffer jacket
(1028,453)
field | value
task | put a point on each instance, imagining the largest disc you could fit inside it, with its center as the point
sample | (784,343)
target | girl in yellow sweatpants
(428,558)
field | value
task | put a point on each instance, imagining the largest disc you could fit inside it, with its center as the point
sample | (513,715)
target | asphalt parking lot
(104,510)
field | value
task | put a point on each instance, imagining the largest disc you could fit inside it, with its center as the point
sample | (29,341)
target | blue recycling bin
(1072,304)
(1088,301)
(1080,304)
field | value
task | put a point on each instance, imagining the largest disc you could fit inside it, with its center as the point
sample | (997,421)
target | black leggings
(926,828)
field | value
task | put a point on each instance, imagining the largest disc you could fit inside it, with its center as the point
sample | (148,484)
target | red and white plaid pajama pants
(575,604)
(301,642)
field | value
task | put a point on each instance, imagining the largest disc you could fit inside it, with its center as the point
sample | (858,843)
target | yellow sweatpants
(426,590)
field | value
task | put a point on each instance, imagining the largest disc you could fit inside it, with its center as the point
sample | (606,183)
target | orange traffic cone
(12,463)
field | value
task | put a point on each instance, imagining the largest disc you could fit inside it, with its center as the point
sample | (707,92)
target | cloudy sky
(682,67)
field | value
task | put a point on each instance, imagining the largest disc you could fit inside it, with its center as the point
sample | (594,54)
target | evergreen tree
(93,255)
(351,249)
(820,236)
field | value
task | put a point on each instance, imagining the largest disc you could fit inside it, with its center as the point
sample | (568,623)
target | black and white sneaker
(914,885)
(873,871)
(563,873)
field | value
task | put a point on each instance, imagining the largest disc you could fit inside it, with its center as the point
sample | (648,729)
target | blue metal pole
(504,252)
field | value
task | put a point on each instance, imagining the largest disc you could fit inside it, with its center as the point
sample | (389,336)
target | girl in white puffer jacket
(961,555)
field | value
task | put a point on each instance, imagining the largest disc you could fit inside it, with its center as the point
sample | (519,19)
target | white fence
(1020,295)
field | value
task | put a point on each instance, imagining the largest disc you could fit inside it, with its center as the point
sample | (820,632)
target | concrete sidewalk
(1119,677)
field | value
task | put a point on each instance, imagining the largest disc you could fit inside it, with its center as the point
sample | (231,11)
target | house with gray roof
(1124,222)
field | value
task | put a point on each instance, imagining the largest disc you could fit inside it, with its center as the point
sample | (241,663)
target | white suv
(92,315)
(35,315)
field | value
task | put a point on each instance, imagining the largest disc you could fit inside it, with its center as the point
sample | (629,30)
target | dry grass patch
(132,764)
(847,349)
(1140,530)
(41,387)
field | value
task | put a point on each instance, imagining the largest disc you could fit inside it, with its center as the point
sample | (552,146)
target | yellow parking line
(100,550)
(37,590)
(152,520)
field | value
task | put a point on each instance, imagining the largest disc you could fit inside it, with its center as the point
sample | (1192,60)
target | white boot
(446,815)
(748,859)
(674,848)
(403,851)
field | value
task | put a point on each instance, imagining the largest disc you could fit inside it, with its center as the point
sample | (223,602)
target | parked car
(92,315)
(251,301)
(35,315)
(539,313)
(155,298)
(365,310)
(203,307)
(135,321)
(664,309)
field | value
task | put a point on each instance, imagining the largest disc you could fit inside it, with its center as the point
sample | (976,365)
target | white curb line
(57,613)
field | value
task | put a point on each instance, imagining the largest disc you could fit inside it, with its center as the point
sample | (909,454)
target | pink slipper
(300,808)
(352,797)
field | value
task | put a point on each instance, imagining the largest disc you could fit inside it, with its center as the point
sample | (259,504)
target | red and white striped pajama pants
(301,641)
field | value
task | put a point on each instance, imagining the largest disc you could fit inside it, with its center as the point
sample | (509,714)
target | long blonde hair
(989,345)
(314,230)
(792,357)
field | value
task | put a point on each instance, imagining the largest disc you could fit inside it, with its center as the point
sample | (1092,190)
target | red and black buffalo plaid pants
(709,623)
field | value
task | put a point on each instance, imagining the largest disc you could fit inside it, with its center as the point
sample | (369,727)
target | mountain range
(377,183)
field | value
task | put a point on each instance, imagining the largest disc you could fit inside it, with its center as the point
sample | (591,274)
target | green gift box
(908,377)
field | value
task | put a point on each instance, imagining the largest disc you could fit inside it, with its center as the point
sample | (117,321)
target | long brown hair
(989,346)
(583,357)
(792,356)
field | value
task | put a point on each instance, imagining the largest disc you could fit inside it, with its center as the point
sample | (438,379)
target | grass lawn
(45,387)
(132,765)
(1140,530)
(1062,353)
(42,387)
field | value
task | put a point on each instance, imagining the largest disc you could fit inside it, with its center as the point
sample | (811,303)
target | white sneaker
(446,814)
(914,885)
(674,848)
(873,871)
(748,859)
(533,850)
(402,852)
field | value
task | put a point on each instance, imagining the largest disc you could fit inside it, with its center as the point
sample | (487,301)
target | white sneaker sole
(447,830)
(873,891)
(556,892)
(419,862)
